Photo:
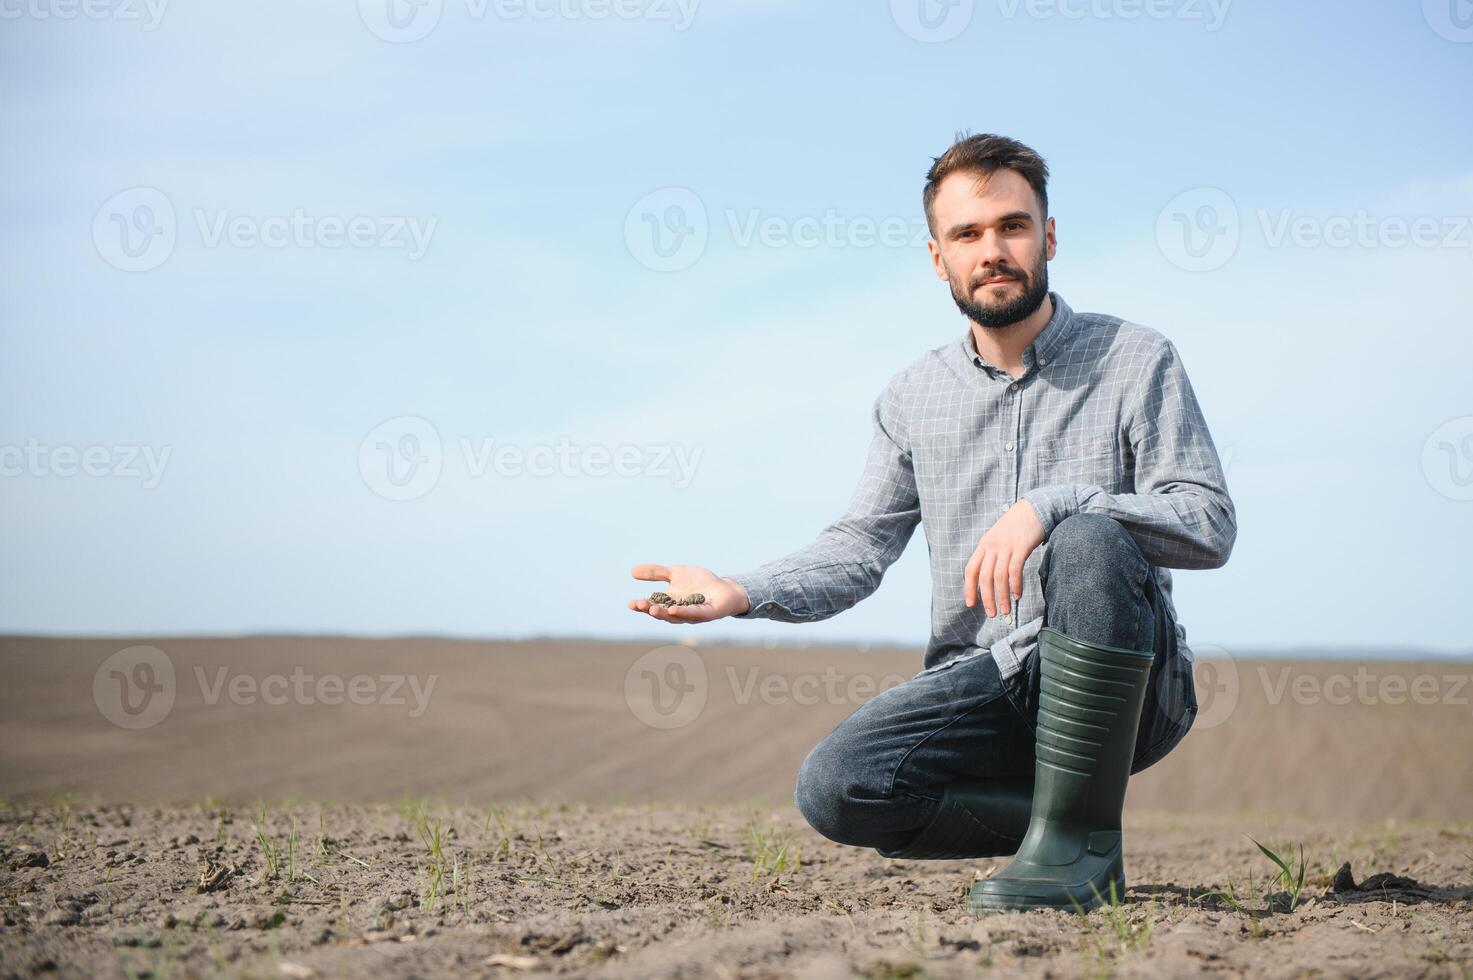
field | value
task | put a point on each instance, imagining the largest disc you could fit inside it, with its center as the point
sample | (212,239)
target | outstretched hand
(723,596)
(995,570)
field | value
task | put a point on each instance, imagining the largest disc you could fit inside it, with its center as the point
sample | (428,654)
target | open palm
(723,596)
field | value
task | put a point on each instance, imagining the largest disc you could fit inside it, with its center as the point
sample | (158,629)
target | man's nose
(990,253)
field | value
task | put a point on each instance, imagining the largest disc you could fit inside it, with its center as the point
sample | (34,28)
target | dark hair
(985,154)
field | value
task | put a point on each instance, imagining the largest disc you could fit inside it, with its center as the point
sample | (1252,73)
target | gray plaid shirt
(1102,421)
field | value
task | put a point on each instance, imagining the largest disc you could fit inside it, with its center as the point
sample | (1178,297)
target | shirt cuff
(1053,504)
(759,591)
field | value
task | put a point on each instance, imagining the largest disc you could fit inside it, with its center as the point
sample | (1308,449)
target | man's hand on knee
(995,570)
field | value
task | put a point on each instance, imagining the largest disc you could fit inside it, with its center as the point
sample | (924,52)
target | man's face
(992,246)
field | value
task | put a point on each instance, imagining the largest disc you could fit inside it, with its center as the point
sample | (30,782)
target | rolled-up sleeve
(1181,515)
(848,559)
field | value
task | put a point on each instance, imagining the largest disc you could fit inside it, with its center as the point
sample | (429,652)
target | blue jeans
(877,778)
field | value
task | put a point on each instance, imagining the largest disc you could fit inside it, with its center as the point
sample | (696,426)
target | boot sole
(1018,898)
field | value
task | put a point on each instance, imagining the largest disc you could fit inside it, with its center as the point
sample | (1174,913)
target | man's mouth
(997,281)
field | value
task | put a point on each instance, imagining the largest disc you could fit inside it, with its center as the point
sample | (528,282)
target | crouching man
(1060,465)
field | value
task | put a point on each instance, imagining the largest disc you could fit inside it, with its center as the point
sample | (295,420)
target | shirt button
(1010,445)
(1042,361)
(1013,386)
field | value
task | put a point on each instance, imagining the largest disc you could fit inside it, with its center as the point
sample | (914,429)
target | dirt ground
(646,826)
(565,720)
(426,889)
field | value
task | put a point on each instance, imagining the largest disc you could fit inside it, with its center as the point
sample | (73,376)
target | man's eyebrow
(1002,219)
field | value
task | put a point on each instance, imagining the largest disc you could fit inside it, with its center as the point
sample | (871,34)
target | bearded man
(1060,465)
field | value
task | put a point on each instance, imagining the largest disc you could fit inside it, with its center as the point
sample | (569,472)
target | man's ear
(939,265)
(1051,240)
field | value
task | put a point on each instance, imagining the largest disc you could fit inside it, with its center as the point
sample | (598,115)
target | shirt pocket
(1094,461)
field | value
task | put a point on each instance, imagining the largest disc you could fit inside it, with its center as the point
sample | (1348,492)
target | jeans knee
(1083,538)
(1094,549)
(825,795)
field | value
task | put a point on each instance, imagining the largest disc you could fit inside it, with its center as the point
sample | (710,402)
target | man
(1060,465)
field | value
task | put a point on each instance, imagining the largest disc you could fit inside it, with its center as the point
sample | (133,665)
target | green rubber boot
(976,818)
(1089,708)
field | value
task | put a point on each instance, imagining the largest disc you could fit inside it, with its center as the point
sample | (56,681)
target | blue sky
(253,255)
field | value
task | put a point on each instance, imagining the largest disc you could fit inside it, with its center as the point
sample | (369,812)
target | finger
(999,585)
(984,583)
(1015,577)
(969,579)
(651,573)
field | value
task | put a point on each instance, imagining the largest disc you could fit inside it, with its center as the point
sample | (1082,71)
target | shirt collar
(1049,342)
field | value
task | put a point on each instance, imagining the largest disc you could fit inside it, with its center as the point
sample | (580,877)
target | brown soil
(675,891)
(676,852)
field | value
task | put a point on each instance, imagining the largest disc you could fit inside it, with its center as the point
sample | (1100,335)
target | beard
(1004,313)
